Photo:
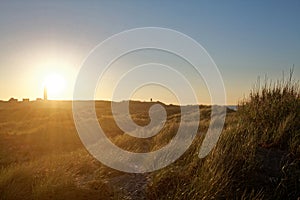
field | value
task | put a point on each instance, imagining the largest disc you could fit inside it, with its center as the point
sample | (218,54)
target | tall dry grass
(257,156)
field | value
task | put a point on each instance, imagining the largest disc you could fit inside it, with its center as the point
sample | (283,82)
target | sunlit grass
(256,157)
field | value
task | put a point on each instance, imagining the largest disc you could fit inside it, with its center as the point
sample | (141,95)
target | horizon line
(26,100)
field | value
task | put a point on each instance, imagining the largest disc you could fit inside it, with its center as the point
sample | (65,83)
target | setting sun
(55,85)
(149,100)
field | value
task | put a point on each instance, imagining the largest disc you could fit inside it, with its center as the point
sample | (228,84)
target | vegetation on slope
(256,157)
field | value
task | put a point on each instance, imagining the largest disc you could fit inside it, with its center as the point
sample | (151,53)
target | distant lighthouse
(45,93)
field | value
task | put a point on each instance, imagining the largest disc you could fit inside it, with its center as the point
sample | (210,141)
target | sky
(246,39)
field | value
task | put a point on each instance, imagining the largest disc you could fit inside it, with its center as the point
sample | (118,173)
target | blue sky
(246,39)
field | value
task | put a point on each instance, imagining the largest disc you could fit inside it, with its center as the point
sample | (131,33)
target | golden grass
(257,156)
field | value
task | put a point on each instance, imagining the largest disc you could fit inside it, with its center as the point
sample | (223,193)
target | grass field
(257,156)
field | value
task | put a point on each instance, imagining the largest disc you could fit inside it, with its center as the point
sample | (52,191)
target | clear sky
(246,39)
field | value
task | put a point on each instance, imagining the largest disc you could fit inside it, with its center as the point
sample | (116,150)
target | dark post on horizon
(45,94)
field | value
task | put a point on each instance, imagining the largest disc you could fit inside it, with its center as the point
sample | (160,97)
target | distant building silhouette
(25,99)
(13,100)
(39,99)
(45,94)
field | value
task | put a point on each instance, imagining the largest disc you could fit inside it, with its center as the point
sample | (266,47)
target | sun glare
(55,85)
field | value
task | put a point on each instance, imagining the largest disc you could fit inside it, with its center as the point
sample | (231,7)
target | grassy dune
(257,156)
